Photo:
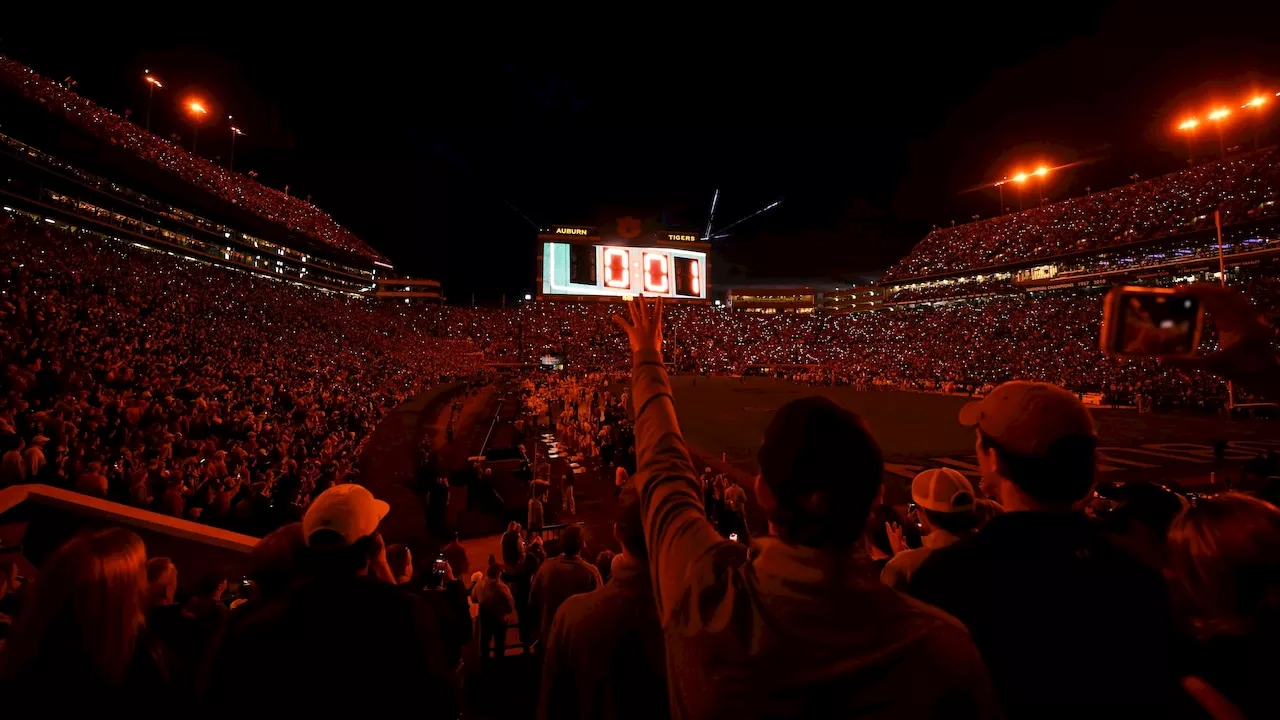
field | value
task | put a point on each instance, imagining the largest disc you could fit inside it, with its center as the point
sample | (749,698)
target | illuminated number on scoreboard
(688,277)
(655,273)
(616,268)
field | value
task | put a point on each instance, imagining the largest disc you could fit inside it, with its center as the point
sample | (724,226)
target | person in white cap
(948,514)
(345,619)
(1066,622)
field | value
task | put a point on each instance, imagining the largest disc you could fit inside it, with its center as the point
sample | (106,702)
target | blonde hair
(1224,565)
(85,610)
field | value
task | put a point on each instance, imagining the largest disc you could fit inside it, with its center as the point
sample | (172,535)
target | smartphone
(733,537)
(1151,322)
(439,567)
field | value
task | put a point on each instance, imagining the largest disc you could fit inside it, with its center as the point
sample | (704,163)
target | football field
(727,417)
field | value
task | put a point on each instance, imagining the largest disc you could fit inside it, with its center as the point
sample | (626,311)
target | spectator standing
(162,582)
(567,503)
(1063,618)
(535,513)
(802,627)
(81,639)
(946,499)
(604,654)
(12,471)
(34,462)
(496,607)
(348,615)
(559,578)
(1224,574)
(518,568)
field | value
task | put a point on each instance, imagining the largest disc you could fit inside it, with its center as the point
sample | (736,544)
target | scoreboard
(577,263)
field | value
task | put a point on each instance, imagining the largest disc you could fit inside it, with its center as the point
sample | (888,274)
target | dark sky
(443,140)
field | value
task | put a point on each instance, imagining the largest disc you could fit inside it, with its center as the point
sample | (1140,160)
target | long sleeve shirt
(785,630)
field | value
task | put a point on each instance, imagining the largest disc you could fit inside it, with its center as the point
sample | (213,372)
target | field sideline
(725,416)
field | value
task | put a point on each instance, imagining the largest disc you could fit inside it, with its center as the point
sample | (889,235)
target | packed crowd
(1245,188)
(1033,593)
(193,390)
(293,213)
(979,343)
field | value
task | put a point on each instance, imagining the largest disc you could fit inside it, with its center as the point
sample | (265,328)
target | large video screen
(571,269)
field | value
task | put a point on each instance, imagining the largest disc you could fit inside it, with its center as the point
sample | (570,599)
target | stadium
(201,363)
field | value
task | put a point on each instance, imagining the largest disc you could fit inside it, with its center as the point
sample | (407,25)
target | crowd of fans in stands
(200,392)
(293,213)
(1243,188)
(970,345)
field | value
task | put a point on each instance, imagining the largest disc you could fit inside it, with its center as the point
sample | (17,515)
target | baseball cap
(942,490)
(1026,418)
(349,510)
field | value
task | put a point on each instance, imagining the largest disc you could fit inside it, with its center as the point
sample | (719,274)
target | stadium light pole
(1040,173)
(1256,102)
(1218,117)
(1020,178)
(231,162)
(1222,282)
(1000,187)
(198,113)
(1188,127)
(152,83)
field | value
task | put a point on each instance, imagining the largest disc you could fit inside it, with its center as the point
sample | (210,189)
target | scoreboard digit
(655,273)
(617,268)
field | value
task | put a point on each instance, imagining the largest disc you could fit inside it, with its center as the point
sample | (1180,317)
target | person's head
(628,529)
(162,581)
(493,572)
(276,561)
(571,541)
(400,559)
(820,471)
(1224,565)
(945,498)
(213,584)
(85,610)
(1036,445)
(339,527)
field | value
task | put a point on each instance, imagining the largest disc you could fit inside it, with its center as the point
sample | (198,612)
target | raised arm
(676,529)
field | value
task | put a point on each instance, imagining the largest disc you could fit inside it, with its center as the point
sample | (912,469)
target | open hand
(897,541)
(644,329)
(1245,354)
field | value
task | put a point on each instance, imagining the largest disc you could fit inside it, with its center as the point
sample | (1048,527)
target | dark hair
(274,563)
(824,470)
(1062,476)
(571,541)
(630,524)
(955,523)
(493,571)
(1224,565)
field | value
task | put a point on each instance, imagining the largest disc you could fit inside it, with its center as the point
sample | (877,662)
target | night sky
(444,141)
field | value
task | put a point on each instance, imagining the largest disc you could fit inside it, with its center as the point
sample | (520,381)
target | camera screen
(1152,324)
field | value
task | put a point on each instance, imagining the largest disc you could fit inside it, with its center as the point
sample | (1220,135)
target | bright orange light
(152,79)
(616,268)
(1020,177)
(1256,101)
(1219,114)
(236,130)
(197,107)
(1042,170)
(1190,124)
(655,273)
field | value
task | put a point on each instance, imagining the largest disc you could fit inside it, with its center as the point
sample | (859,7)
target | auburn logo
(629,227)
